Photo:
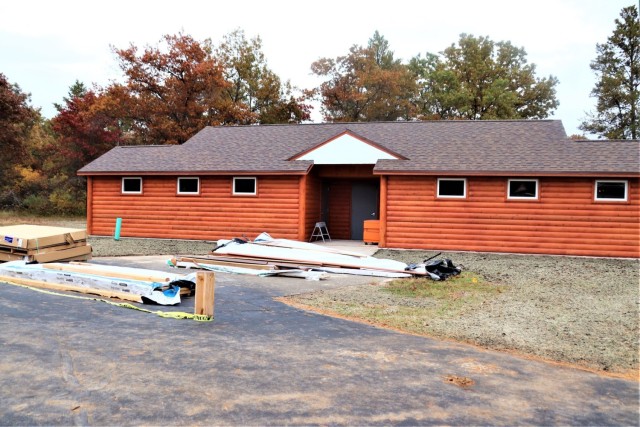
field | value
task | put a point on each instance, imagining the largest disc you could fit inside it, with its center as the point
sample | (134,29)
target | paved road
(68,361)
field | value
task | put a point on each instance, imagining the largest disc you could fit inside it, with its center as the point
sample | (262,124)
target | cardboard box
(34,237)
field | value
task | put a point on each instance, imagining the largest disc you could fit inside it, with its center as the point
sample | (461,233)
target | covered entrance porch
(347,195)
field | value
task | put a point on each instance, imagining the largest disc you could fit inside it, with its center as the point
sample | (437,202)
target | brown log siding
(339,217)
(211,215)
(565,220)
(314,203)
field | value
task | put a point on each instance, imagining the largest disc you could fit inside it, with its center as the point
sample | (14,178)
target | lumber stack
(279,256)
(39,243)
(130,284)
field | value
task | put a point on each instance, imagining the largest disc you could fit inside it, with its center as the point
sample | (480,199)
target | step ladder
(320,231)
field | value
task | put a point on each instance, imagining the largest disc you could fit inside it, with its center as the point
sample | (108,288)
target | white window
(523,189)
(612,191)
(245,186)
(188,185)
(131,185)
(455,188)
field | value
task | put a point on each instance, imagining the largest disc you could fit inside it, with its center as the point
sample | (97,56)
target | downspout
(383,212)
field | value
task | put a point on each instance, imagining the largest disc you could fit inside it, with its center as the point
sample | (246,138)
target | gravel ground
(578,310)
(108,246)
(583,311)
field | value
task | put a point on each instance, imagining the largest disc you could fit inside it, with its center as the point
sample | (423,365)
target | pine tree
(617,65)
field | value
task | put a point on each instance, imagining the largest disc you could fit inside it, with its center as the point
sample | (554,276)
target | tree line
(170,91)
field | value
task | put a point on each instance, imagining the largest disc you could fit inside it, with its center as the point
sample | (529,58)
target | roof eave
(195,173)
(508,173)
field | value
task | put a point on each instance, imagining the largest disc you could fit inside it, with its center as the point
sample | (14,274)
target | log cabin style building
(515,186)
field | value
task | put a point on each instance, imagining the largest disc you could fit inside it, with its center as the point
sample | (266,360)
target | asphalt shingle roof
(456,147)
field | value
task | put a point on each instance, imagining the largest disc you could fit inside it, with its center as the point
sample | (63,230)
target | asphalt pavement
(68,361)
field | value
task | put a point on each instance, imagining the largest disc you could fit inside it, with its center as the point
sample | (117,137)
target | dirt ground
(579,310)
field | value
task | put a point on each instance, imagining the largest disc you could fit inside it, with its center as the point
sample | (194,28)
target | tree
(83,132)
(16,120)
(439,94)
(34,186)
(617,90)
(481,79)
(171,92)
(368,84)
(255,91)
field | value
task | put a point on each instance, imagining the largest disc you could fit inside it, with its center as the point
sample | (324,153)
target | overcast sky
(46,45)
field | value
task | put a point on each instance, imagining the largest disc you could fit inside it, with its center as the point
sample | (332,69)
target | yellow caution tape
(168,314)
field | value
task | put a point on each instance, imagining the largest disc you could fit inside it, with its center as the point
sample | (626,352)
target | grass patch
(411,305)
(451,296)
(16,217)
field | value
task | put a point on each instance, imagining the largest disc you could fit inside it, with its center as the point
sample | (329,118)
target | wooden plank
(207,261)
(205,299)
(105,271)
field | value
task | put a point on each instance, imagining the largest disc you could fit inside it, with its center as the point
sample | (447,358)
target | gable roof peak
(347,147)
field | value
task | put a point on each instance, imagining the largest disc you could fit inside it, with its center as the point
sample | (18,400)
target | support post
(384,193)
(205,286)
(302,211)
(89,205)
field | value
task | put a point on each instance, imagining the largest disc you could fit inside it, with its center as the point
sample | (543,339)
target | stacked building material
(266,256)
(38,243)
(130,284)
(272,256)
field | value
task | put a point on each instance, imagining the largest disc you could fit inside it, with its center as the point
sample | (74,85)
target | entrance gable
(347,148)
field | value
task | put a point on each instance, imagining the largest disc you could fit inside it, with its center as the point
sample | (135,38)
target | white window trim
(519,197)
(130,192)
(187,192)
(255,186)
(620,181)
(464,195)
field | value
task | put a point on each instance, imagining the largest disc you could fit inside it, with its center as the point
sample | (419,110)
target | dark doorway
(364,205)
(346,204)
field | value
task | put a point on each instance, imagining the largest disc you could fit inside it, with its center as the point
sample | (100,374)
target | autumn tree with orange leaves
(170,92)
(174,90)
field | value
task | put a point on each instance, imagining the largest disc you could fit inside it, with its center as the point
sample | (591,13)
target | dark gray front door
(364,205)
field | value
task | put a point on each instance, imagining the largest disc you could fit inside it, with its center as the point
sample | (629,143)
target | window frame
(255,186)
(620,181)
(520,198)
(187,193)
(465,190)
(123,191)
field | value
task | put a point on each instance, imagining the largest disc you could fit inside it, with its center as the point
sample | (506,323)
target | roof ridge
(606,140)
(404,122)
(147,146)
